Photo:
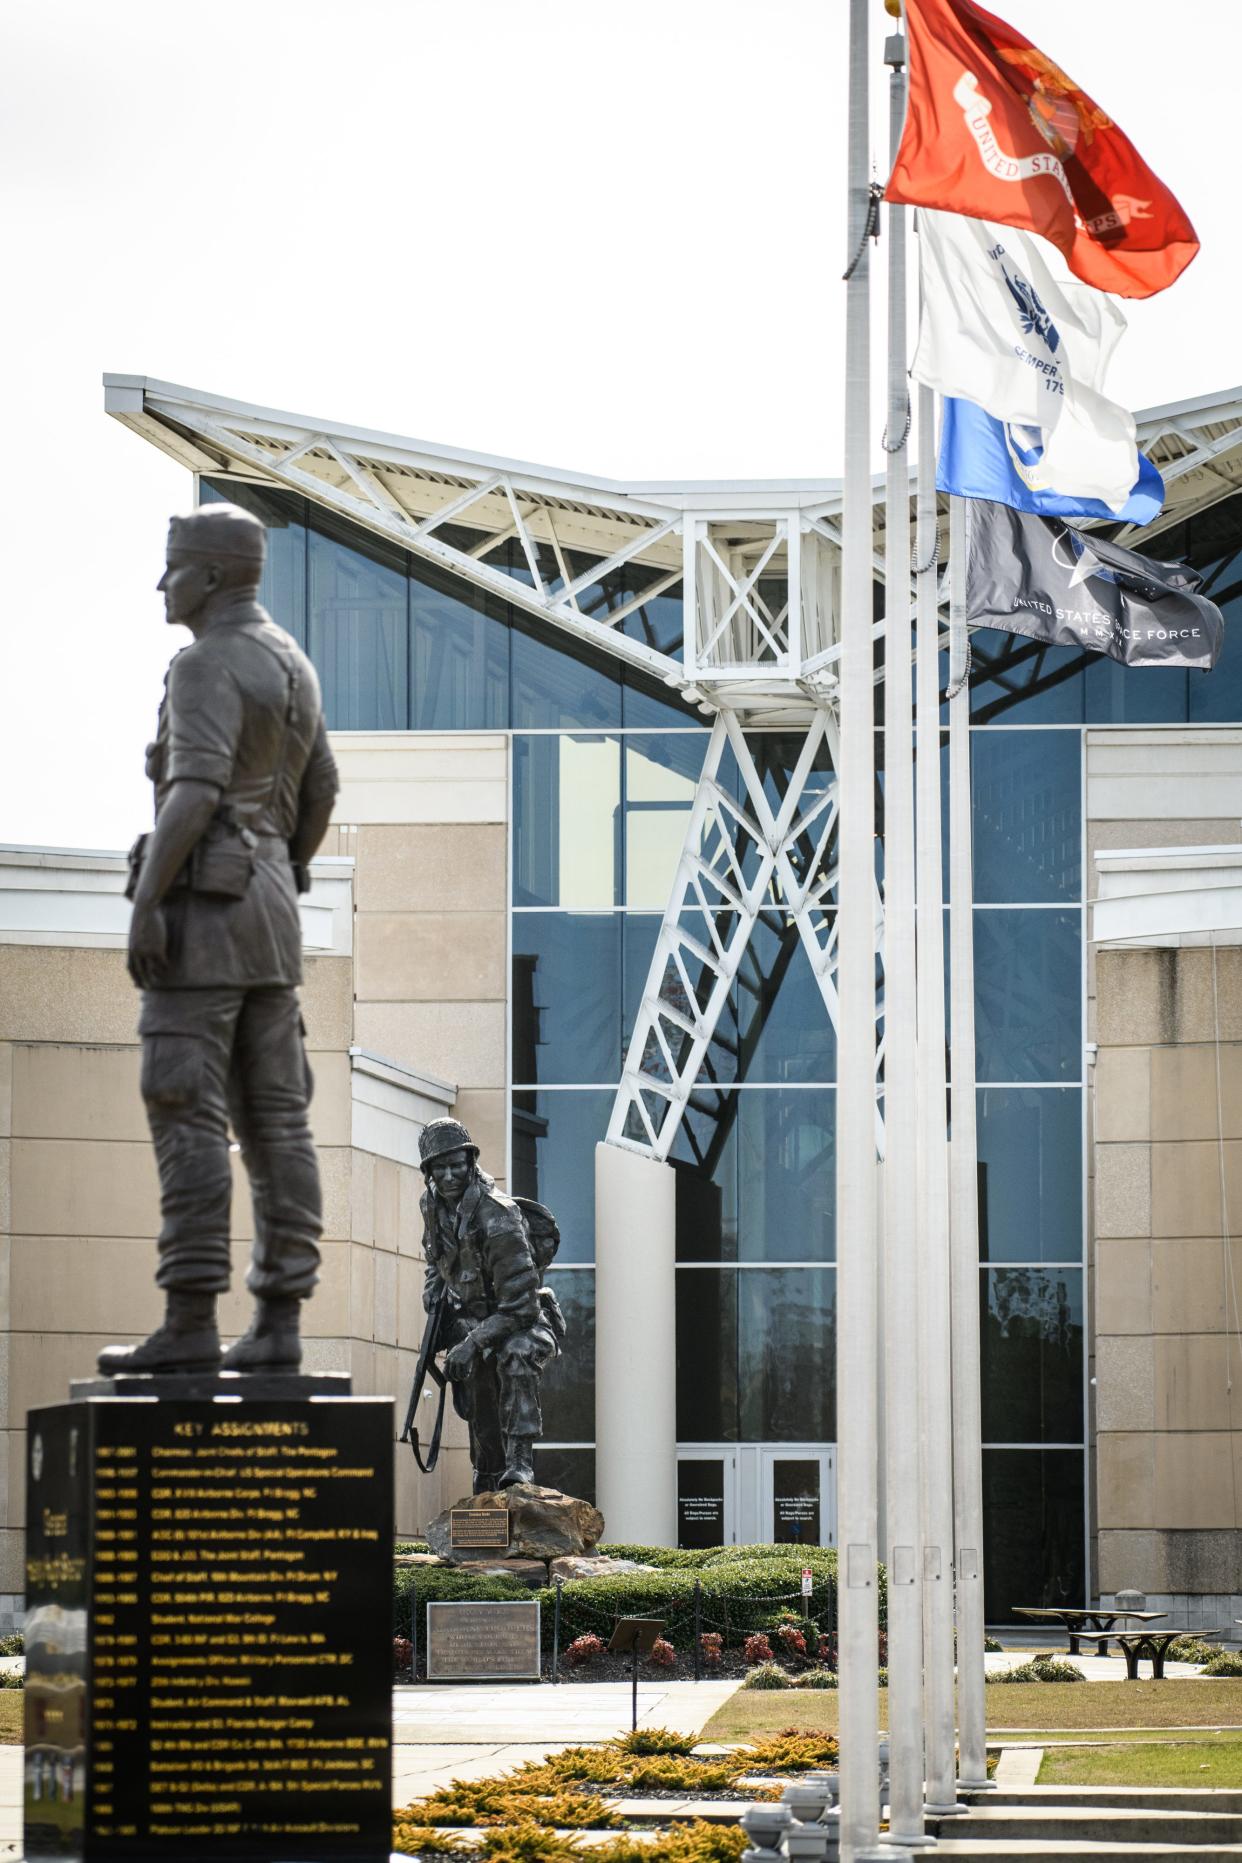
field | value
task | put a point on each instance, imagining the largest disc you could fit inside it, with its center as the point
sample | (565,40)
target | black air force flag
(1039,576)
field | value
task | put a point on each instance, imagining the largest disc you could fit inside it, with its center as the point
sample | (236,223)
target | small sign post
(807,1586)
(635,1637)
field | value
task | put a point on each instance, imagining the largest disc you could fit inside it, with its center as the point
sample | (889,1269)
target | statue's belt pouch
(223,861)
(134,862)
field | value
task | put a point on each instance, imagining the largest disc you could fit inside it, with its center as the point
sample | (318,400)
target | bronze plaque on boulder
(480,1527)
(497,1642)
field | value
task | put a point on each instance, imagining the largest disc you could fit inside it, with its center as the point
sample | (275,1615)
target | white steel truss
(741,853)
(759,567)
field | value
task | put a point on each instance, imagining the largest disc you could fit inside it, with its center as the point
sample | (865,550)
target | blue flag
(985,458)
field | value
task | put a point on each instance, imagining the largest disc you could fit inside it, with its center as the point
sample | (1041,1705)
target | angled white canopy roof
(740,545)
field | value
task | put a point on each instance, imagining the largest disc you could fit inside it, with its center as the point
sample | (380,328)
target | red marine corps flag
(997,131)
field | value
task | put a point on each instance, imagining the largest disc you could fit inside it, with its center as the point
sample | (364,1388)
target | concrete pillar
(635,1347)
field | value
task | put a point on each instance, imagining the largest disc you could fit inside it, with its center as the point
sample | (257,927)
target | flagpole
(856,1345)
(964,1225)
(901,1315)
(933,1162)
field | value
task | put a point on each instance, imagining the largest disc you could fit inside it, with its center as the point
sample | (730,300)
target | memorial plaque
(483,1642)
(209,1653)
(481,1527)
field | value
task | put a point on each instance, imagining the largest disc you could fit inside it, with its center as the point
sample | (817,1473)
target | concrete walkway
(442,1732)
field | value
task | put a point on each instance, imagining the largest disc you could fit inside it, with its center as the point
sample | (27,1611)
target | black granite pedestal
(208,1631)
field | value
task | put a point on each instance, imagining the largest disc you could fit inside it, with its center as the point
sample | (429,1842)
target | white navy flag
(1038,576)
(997,329)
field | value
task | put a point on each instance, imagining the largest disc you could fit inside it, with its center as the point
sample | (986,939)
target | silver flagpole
(937,1470)
(901,1316)
(857,1355)
(964,1225)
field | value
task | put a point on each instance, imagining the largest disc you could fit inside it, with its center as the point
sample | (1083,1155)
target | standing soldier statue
(486,1307)
(244,784)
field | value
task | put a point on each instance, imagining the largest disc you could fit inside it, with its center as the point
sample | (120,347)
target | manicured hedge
(744,1588)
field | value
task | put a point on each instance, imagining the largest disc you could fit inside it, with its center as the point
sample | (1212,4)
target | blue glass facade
(603,771)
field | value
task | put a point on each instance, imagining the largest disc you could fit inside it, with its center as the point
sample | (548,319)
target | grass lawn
(1010,1706)
(11,1700)
(1197,1762)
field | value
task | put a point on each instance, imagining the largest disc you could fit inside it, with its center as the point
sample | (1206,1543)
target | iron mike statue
(497,1326)
(244,786)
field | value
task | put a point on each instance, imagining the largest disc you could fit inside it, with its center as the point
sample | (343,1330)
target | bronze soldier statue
(244,784)
(487,1310)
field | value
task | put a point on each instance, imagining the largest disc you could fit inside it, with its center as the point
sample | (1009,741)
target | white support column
(635,1347)
(900,1325)
(964,1226)
(937,1469)
(856,1150)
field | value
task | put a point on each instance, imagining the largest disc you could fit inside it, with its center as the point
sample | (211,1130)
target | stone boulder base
(543,1524)
(592,1565)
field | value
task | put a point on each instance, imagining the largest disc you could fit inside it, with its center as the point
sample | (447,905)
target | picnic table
(1154,1643)
(1094,1626)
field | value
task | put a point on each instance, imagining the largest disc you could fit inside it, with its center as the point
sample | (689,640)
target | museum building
(519,767)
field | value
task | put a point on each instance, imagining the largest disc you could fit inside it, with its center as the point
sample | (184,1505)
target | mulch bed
(605,1668)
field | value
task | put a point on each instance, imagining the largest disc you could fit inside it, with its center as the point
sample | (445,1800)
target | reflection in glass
(558,684)
(568,1390)
(554,1140)
(1026,792)
(641,930)
(661,772)
(707,1355)
(1031,1344)
(570,1470)
(357,629)
(796,1501)
(1217,553)
(784,1033)
(756,1176)
(700,1500)
(786,1358)
(1033,1530)
(282,590)
(1028,1013)
(566,821)
(786,1163)
(459,640)
(566,998)
(1019,681)
(1030,1174)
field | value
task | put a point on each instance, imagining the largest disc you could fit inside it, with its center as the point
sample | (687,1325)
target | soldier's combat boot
(520,1460)
(187,1341)
(271,1343)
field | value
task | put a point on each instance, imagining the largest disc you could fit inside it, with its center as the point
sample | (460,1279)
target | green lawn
(11,1700)
(1197,1762)
(1033,1706)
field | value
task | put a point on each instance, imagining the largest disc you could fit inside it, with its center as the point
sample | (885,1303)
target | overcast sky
(602,237)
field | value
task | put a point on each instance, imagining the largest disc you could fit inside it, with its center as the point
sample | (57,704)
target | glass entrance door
(705,1498)
(798,1492)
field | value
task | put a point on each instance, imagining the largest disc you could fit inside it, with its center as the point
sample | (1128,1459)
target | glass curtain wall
(604,766)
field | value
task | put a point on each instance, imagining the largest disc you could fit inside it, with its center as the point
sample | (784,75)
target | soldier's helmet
(441,1136)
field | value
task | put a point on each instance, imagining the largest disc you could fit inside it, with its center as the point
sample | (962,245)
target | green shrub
(646,1740)
(411,1546)
(1228,1662)
(1042,1669)
(1192,1649)
(14,1644)
(667,1558)
(992,1646)
(794,1749)
(767,1675)
(10,1678)
(817,1678)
